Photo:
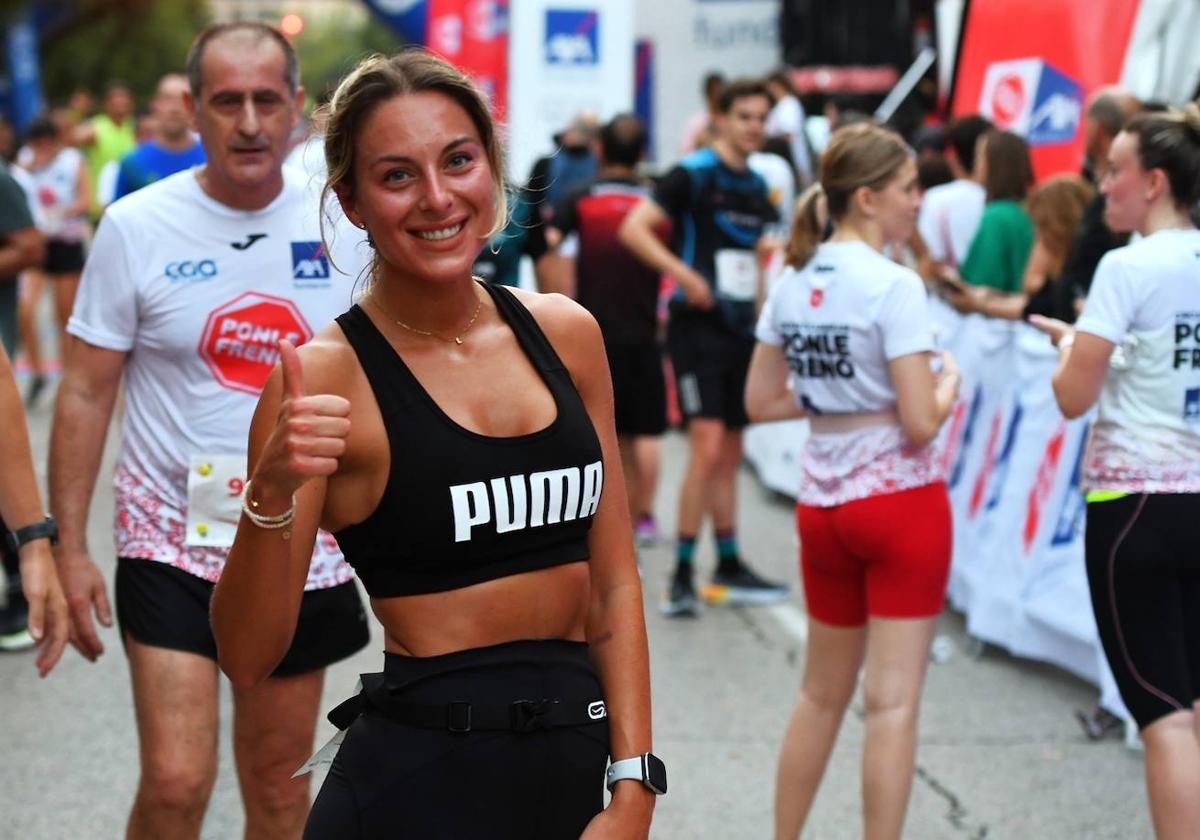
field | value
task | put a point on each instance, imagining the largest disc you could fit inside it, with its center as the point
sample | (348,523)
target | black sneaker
(14,621)
(681,600)
(742,586)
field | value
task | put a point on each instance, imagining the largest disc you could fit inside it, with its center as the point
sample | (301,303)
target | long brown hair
(859,155)
(1056,208)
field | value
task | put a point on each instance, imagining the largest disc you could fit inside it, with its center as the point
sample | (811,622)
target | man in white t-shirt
(787,119)
(950,213)
(190,284)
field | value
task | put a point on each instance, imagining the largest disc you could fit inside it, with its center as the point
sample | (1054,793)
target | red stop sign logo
(1008,100)
(240,340)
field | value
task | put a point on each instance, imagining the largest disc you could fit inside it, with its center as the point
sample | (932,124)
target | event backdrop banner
(473,34)
(692,37)
(1012,467)
(565,56)
(1029,66)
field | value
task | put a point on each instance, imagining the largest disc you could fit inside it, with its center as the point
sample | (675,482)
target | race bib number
(215,485)
(737,275)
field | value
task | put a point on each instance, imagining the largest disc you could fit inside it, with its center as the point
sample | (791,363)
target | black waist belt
(457,716)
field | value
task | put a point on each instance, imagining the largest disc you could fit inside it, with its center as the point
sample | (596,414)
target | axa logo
(190,270)
(1034,99)
(1000,471)
(1074,505)
(1043,486)
(572,37)
(310,265)
(968,435)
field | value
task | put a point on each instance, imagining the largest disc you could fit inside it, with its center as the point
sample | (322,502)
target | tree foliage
(99,41)
(89,43)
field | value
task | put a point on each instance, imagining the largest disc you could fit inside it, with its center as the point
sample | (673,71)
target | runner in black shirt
(717,207)
(622,294)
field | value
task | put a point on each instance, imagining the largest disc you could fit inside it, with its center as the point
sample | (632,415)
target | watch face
(656,774)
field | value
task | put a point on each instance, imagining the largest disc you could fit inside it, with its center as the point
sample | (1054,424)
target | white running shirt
(949,219)
(839,321)
(56,186)
(1146,300)
(198,293)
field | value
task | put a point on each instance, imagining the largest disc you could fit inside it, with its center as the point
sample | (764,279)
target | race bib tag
(323,756)
(737,275)
(326,754)
(215,485)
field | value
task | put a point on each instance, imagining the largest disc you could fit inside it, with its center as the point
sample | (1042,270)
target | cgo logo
(191,270)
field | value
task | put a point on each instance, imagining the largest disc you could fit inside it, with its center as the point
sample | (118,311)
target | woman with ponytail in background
(850,331)
(1136,349)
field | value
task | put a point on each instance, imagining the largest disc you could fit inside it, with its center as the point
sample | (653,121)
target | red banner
(473,35)
(1029,66)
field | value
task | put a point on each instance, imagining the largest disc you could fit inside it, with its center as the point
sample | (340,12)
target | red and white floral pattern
(1121,461)
(839,468)
(148,527)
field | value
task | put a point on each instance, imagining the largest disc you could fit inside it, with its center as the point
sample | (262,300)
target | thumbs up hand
(309,435)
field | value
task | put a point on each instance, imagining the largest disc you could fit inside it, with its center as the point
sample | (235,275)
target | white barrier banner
(1012,465)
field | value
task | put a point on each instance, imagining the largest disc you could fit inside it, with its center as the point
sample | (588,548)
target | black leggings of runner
(393,780)
(1145,583)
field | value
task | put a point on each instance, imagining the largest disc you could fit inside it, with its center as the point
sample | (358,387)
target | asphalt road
(1000,753)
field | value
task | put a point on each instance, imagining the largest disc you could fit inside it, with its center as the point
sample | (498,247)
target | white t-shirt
(56,186)
(840,320)
(1145,299)
(787,117)
(781,188)
(198,294)
(949,218)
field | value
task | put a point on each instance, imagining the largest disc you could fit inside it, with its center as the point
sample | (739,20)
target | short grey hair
(291,69)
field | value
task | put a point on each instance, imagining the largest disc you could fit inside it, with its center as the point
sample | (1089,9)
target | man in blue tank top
(717,207)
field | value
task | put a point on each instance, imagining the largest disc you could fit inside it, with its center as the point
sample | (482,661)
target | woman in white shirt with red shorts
(845,339)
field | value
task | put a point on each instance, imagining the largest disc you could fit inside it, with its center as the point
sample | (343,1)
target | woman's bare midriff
(544,604)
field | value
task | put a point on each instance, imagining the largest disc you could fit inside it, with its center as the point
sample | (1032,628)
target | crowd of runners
(330,370)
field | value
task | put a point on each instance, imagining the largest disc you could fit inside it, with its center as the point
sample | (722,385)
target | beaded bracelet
(263,521)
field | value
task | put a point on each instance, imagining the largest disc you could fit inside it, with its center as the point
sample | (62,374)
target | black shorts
(391,779)
(161,606)
(639,388)
(1145,584)
(710,363)
(63,257)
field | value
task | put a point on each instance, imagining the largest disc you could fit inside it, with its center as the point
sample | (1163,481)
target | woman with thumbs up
(455,439)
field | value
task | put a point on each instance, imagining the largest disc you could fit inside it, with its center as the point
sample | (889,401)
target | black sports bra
(460,507)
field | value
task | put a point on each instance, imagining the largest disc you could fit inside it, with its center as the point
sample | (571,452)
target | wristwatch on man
(647,769)
(44,530)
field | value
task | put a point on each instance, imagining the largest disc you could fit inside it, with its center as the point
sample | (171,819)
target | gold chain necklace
(458,339)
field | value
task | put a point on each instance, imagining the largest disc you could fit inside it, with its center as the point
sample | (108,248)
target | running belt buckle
(458,717)
(528,715)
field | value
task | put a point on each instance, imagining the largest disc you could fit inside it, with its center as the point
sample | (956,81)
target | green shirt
(112,142)
(1001,247)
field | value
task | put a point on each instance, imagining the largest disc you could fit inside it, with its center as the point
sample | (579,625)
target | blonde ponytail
(808,227)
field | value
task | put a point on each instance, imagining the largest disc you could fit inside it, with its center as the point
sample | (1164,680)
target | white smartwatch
(647,769)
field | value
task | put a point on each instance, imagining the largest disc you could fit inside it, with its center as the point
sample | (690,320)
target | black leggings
(391,780)
(1143,564)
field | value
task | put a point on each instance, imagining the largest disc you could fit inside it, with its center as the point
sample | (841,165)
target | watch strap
(44,530)
(635,769)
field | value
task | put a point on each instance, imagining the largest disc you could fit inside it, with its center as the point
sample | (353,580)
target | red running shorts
(883,556)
